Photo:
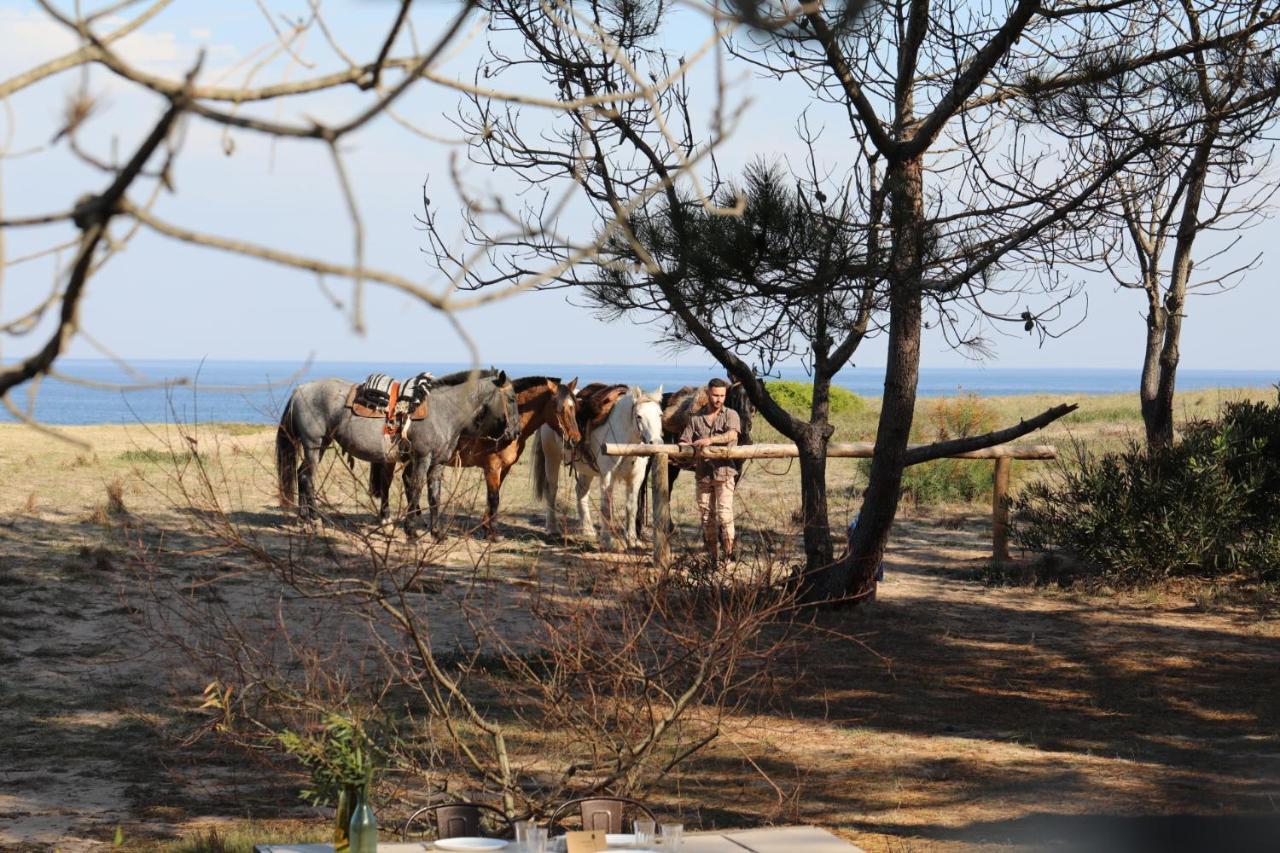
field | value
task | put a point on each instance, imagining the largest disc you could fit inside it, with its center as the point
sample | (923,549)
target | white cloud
(30,38)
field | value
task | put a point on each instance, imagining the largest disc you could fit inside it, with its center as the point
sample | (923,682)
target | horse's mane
(526,382)
(461,376)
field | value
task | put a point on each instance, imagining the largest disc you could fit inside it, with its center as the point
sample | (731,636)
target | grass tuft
(153,456)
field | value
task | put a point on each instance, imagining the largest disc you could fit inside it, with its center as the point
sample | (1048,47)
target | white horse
(636,418)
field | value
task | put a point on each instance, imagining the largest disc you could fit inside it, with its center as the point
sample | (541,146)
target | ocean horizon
(192,391)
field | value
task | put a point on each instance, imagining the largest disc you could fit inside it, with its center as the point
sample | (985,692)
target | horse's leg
(673,471)
(633,482)
(415,474)
(435,485)
(584,505)
(552,460)
(382,473)
(306,482)
(606,510)
(495,472)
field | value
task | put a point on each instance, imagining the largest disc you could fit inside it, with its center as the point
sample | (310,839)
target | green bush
(1208,505)
(949,480)
(797,398)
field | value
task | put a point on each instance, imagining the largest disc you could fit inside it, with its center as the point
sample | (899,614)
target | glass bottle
(363,829)
(347,796)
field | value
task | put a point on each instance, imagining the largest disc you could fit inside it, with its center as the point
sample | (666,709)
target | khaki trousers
(715,506)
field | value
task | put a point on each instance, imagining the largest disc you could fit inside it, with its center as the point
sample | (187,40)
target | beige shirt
(703,425)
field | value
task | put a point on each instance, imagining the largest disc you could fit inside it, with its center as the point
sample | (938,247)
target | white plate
(618,839)
(470,844)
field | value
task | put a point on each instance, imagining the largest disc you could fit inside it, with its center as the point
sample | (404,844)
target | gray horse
(481,404)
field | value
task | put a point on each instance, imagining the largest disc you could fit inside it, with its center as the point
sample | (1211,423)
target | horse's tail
(539,462)
(287,459)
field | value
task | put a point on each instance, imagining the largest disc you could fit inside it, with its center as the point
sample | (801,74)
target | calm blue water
(255,391)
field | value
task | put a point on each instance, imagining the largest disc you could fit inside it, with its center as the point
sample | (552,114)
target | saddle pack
(595,401)
(397,403)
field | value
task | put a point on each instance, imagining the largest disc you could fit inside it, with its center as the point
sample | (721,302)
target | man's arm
(686,437)
(728,438)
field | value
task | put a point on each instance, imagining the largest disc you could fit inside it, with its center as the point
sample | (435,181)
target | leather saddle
(381,397)
(595,401)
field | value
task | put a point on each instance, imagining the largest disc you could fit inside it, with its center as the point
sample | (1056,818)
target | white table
(776,839)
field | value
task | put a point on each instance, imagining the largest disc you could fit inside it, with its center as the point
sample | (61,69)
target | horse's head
(740,401)
(647,412)
(564,418)
(498,416)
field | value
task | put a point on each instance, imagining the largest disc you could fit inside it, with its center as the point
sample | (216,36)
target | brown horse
(539,400)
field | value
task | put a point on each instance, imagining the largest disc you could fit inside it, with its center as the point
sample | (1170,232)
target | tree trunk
(818,552)
(855,575)
(1158,414)
(884,486)
(1149,389)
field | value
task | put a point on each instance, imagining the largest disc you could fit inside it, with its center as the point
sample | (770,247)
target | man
(715,426)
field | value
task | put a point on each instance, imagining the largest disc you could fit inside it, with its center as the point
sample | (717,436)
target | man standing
(715,426)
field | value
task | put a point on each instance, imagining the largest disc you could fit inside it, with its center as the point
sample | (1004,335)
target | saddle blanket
(373,398)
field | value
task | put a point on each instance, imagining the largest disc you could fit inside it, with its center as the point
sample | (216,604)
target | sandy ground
(970,716)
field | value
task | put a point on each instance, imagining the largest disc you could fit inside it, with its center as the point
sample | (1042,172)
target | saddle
(679,406)
(595,401)
(380,396)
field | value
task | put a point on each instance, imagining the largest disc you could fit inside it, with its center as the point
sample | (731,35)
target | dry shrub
(115,498)
(597,678)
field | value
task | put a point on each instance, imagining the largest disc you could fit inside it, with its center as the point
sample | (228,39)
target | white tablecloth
(777,839)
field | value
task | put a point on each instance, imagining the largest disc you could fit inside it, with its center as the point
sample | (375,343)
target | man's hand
(702,442)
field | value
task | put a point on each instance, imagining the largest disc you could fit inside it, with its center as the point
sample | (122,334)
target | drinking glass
(672,836)
(645,831)
(537,840)
(524,831)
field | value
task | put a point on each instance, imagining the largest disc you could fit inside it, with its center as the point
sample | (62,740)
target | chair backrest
(457,820)
(601,814)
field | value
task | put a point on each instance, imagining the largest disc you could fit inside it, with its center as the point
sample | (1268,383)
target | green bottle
(363,830)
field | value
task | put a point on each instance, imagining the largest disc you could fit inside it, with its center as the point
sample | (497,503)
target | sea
(102,392)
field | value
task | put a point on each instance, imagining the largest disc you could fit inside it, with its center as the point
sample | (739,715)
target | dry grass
(973,716)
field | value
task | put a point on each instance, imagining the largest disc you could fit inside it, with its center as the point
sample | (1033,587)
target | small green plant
(797,398)
(340,755)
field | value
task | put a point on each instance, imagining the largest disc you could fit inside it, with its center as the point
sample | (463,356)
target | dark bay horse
(482,403)
(678,407)
(540,400)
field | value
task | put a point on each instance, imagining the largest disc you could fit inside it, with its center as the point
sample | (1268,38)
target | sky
(164,300)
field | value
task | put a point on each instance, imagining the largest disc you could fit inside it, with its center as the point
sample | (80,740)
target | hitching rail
(1003,454)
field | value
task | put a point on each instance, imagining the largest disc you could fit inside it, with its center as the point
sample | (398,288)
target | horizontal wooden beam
(854,450)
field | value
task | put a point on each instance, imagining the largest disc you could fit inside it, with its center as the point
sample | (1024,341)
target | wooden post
(1000,510)
(661,512)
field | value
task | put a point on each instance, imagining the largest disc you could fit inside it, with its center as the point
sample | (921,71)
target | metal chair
(457,820)
(600,813)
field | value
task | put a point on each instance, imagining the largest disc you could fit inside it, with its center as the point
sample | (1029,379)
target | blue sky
(160,299)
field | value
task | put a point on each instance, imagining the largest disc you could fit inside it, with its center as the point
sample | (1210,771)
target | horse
(635,417)
(678,407)
(541,400)
(316,415)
